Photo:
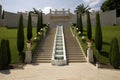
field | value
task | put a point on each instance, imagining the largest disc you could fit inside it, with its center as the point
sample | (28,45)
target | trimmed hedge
(114,55)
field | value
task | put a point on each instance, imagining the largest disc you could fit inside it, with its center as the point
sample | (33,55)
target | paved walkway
(73,71)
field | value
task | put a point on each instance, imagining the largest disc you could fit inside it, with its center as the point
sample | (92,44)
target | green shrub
(114,55)
(98,33)
(89,30)
(20,38)
(29,27)
(81,25)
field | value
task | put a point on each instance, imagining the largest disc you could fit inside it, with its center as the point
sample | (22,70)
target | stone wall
(107,19)
(118,20)
(2,23)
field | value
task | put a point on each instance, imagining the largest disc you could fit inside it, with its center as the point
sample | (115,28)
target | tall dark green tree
(89,30)
(8,51)
(3,14)
(29,27)
(20,37)
(3,54)
(78,22)
(114,56)
(38,24)
(98,33)
(41,20)
(81,24)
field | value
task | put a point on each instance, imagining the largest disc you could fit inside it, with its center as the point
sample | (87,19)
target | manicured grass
(108,33)
(11,35)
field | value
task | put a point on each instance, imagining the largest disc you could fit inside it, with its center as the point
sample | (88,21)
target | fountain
(59,52)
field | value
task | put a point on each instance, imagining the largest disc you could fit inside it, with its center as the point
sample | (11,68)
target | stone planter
(97,65)
(28,56)
(89,53)
(28,45)
(89,44)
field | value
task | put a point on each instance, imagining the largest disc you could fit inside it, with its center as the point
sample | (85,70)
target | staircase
(74,53)
(43,53)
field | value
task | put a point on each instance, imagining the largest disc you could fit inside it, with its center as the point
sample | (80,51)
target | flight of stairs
(74,53)
(43,53)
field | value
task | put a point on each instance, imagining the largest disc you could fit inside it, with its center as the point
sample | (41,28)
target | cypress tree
(114,53)
(81,25)
(0,57)
(78,22)
(38,23)
(8,51)
(3,52)
(29,27)
(89,30)
(3,14)
(20,37)
(41,20)
(98,33)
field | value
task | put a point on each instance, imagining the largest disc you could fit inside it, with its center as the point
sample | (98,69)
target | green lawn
(11,34)
(108,33)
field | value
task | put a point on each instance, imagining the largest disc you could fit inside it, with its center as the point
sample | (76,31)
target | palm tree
(35,11)
(81,9)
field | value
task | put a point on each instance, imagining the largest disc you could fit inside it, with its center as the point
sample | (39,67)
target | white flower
(35,38)
(83,37)
(39,33)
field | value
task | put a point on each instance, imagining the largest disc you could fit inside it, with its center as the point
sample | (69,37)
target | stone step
(44,51)
(74,53)
(41,61)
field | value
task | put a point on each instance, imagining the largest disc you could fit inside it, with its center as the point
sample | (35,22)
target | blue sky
(45,5)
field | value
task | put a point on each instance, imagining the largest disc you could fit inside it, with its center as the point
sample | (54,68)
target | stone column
(28,54)
(90,53)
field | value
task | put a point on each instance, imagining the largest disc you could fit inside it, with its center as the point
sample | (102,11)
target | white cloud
(92,3)
(46,9)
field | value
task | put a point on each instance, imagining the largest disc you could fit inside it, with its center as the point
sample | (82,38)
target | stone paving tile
(73,71)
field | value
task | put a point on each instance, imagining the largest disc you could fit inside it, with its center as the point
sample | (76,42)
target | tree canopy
(81,9)
(111,5)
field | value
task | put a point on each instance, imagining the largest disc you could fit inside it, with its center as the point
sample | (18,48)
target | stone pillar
(55,11)
(90,53)
(28,54)
(50,11)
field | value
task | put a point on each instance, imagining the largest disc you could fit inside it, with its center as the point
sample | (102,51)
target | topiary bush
(114,56)
(98,33)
